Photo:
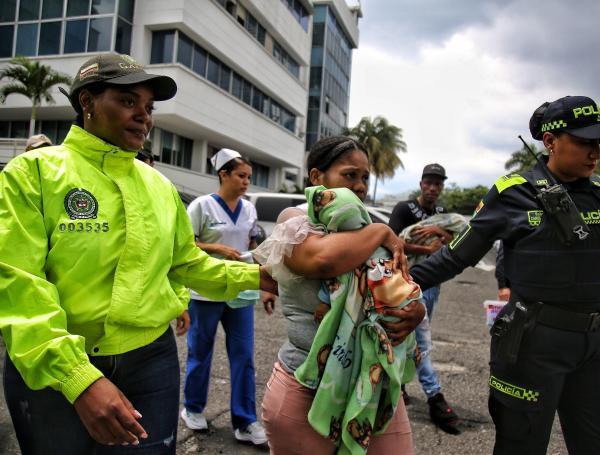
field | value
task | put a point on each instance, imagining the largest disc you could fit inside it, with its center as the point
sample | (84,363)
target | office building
(334,35)
(242,68)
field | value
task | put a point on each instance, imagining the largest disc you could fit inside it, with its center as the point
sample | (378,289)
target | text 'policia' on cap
(576,115)
(117,69)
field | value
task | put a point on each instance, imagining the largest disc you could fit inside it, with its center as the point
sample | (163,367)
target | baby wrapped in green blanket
(352,364)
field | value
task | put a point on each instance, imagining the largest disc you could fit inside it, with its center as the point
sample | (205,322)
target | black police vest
(541,268)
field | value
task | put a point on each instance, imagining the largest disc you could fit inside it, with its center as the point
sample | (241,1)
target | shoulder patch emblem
(535,217)
(478,208)
(507,181)
(81,204)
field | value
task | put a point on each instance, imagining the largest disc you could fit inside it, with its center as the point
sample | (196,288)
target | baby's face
(393,291)
(323,199)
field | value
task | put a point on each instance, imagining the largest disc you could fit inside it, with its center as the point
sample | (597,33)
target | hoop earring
(89,115)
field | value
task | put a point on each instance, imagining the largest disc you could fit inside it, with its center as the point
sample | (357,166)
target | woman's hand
(228,252)
(409,318)
(396,246)
(268,301)
(421,234)
(436,244)
(225,251)
(108,416)
(267,283)
(504,294)
(183,323)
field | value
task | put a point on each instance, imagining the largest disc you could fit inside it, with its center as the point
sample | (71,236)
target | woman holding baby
(301,257)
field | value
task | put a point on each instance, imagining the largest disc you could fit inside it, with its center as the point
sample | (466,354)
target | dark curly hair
(327,150)
(232,165)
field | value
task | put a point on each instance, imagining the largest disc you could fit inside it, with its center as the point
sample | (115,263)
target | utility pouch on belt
(509,329)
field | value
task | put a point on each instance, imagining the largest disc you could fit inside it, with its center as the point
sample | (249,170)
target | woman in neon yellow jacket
(94,248)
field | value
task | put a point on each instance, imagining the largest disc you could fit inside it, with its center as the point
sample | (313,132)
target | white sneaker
(194,420)
(254,433)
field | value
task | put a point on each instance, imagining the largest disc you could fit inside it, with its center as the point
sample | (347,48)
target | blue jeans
(47,424)
(238,324)
(427,376)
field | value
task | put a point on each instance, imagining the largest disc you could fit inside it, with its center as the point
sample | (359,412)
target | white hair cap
(222,157)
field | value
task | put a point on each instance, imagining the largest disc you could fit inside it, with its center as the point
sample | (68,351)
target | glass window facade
(175,150)
(53,27)
(259,33)
(260,175)
(50,38)
(8,9)
(26,39)
(211,68)
(75,36)
(329,82)
(6,40)
(56,130)
(52,9)
(100,34)
(162,46)
(184,50)
(298,11)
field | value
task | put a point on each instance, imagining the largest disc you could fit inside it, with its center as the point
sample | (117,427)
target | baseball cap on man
(576,115)
(434,169)
(37,140)
(118,69)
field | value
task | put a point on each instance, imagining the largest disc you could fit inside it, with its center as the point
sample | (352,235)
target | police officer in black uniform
(545,349)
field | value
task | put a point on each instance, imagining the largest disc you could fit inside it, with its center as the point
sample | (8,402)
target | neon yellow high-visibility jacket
(94,246)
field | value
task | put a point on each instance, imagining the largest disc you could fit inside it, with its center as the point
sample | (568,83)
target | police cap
(118,69)
(576,115)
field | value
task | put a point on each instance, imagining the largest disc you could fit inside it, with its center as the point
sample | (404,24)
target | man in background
(427,240)
(37,141)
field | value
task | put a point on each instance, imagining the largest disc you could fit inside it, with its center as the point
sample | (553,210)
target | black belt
(568,320)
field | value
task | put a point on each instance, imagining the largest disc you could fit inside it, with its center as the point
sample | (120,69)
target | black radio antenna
(549,176)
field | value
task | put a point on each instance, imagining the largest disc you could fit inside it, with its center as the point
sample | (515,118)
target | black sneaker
(405,396)
(443,415)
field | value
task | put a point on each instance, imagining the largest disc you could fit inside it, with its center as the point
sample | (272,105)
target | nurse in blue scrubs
(225,227)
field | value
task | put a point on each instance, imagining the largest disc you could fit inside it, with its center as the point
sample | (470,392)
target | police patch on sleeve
(81,204)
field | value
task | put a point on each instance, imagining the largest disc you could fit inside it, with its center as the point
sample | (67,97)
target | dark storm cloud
(410,24)
(557,42)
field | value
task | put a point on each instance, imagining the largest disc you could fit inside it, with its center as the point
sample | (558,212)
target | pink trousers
(285,409)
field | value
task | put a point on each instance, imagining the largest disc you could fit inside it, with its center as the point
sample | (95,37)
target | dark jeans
(46,423)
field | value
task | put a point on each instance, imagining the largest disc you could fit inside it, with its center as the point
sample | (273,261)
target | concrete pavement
(461,357)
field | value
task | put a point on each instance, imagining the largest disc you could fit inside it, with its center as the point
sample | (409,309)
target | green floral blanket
(352,364)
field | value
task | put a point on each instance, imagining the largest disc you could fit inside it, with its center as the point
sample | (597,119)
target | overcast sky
(462,77)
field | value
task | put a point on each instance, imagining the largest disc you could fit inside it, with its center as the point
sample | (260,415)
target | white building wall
(202,111)
(207,23)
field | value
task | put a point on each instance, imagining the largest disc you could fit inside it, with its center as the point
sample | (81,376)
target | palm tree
(383,142)
(522,160)
(33,80)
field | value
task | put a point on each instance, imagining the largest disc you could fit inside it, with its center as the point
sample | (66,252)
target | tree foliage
(521,160)
(462,200)
(459,200)
(383,142)
(33,80)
